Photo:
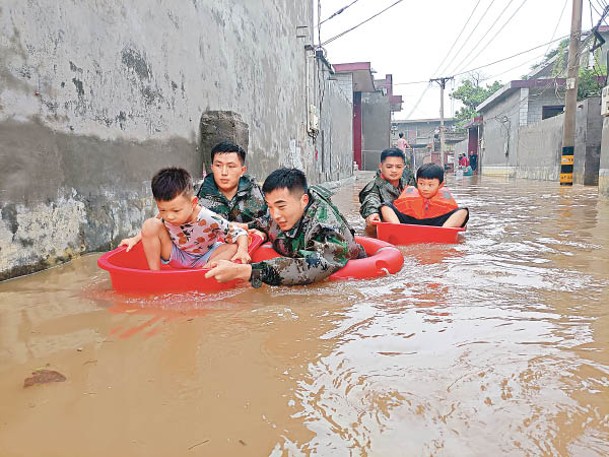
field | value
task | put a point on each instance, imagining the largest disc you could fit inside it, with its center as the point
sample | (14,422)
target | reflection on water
(497,345)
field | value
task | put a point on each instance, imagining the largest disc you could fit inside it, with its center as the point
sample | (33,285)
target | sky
(416,40)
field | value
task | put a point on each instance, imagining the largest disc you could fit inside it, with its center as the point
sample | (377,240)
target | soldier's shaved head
(292,179)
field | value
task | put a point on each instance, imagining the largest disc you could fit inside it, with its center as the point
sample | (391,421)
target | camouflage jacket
(246,206)
(379,191)
(318,245)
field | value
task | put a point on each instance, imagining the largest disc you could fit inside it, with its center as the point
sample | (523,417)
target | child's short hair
(392,152)
(168,183)
(292,179)
(226,147)
(431,171)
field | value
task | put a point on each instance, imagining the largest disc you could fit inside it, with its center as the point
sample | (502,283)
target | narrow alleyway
(498,345)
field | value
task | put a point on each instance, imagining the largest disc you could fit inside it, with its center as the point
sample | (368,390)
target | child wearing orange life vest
(430,203)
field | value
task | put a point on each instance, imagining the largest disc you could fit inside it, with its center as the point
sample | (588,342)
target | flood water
(498,345)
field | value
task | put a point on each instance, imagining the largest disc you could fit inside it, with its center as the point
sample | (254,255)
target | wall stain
(134,60)
(9,216)
(79,87)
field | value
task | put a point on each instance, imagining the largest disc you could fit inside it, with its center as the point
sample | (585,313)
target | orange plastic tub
(383,259)
(401,234)
(129,273)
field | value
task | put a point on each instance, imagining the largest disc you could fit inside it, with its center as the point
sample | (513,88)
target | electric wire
(473,59)
(457,40)
(463,46)
(489,30)
(491,63)
(510,57)
(338,12)
(335,37)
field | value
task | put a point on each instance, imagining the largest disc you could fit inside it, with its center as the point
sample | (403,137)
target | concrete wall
(603,175)
(588,133)
(376,128)
(500,137)
(539,147)
(97,96)
(334,144)
(550,96)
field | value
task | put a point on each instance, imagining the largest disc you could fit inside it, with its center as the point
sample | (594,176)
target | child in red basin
(184,234)
(430,203)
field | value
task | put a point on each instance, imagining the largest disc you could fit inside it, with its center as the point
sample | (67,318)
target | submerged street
(498,345)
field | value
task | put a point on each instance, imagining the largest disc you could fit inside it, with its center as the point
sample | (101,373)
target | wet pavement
(497,345)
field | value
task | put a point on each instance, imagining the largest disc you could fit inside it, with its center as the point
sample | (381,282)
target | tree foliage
(471,93)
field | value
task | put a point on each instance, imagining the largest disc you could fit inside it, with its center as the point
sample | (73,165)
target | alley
(498,345)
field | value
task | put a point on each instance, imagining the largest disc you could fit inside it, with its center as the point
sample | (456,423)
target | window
(551,111)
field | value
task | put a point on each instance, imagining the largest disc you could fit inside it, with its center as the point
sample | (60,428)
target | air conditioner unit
(313,126)
(605,101)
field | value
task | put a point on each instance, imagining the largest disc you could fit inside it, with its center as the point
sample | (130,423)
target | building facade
(95,98)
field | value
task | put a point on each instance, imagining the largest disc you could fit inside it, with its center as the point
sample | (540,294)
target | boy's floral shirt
(198,237)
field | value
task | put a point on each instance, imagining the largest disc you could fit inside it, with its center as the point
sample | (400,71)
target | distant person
(430,203)
(304,227)
(402,143)
(392,177)
(228,190)
(473,160)
(184,234)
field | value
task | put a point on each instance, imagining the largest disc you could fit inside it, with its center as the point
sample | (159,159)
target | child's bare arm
(242,255)
(130,242)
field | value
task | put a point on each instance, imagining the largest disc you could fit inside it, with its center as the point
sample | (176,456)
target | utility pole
(442,83)
(568,130)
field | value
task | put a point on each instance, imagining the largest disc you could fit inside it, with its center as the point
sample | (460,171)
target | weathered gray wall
(500,137)
(336,135)
(376,128)
(588,133)
(97,96)
(539,149)
(538,152)
(603,175)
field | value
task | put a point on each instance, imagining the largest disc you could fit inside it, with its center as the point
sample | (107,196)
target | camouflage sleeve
(257,208)
(410,181)
(261,223)
(231,231)
(370,200)
(325,254)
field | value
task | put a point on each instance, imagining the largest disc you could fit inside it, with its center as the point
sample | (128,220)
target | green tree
(471,93)
(591,81)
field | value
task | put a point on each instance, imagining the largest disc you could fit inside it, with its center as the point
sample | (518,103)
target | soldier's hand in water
(130,242)
(242,256)
(225,270)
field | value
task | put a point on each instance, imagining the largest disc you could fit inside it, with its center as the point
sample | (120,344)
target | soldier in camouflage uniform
(305,228)
(228,191)
(393,176)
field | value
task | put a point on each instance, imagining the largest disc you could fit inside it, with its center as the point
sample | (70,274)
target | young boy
(427,204)
(229,191)
(184,234)
(393,176)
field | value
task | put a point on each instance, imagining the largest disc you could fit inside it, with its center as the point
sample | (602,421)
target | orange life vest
(411,203)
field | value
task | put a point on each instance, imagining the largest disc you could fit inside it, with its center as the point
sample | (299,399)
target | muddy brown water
(498,345)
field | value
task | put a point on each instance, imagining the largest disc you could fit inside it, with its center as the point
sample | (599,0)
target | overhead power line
(335,37)
(338,12)
(486,45)
(492,63)
(463,46)
(481,40)
(458,37)
(510,57)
